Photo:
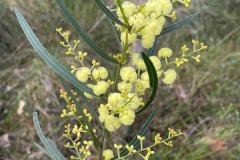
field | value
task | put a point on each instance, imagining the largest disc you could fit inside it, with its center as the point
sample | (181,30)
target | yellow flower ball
(131,37)
(154,27)
(148,39)
(125,87)
(129,8)
(169,76)
(141,85)
(137,21)
(128,74)
(103,112)
(145,76)
(134,102)
(115,100)
(100,73)
(112,123)
(165,52)
(166,6)
(156,62)
(100,88)
(108,154)
(82,74)
(127,117)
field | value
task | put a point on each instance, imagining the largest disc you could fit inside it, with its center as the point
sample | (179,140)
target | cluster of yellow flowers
(146,20)
(96,76)
(124,96)
(195,54)
(122,104)
(74,132)
(144,152)
(133,81)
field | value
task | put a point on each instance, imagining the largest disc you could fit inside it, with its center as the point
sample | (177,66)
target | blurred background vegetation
(204,103)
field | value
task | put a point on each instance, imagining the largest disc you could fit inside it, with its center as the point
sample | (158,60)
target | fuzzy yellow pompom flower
(165,52)
(169,76)
(138,61)
(128,7)
(100,73)
(127,117)
(128,74)
(108,154)
(125,87)
(166,6)
(83,73)
(145,76)
(133,101)
(112,123)
(100,88)
(103,112)
(156,62)
(148,39)
(141,85)
(137,21)
(115,100)
(130,37)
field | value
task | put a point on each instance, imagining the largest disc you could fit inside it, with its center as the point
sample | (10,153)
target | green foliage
(82,33)
(50,60)
(108,12)
(50,146)
(153,79)
(171,28)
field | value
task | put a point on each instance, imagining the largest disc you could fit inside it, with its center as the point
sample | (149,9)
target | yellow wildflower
(128,74)
(165,52)
(169,76)
(108,154)
(100,88)
(127,117)
(100,73)
(83,73)
(125,87)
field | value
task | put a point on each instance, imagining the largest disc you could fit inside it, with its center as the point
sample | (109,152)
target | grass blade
(141,132)
(50,146)
(153,79)
(170,28)
(47,57)
(108,12)
(82,33)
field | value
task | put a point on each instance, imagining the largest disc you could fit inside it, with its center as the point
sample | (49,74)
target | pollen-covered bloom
(128,74)
(119,110)
(108,154)
(169,76)
(83,74)
(127,117)
(165,52)
(145,20)
(100,88)
(100,73)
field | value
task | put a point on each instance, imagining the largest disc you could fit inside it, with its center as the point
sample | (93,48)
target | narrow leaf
(82,33)
(180,23)
(141,132)
(108,12)
(168,29)
(50,146)
(153,79)
(47,57)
